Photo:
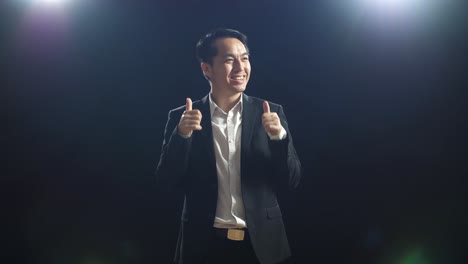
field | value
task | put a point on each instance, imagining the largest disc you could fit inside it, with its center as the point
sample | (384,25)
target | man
(230,154)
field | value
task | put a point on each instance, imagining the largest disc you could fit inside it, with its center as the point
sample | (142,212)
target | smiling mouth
(238,78)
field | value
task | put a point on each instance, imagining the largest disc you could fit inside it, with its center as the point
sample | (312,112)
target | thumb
(188,104)
(266,107)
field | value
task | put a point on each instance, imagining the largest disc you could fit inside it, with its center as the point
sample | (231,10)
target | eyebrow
(232,55)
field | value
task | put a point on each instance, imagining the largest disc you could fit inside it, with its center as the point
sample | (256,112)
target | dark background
(375,102)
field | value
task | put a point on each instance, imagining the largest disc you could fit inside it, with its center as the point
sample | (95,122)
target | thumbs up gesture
(271,121)
(190,120)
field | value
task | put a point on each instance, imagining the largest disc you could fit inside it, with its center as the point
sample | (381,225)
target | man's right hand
(190,120)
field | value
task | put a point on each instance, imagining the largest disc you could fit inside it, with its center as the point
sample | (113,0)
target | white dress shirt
(227,130)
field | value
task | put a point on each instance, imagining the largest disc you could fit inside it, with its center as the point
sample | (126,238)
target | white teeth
(238,78)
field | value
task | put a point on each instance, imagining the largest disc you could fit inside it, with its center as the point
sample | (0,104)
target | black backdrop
(376,109)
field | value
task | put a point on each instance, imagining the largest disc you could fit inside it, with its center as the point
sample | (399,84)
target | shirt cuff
(280,136)
(185,136)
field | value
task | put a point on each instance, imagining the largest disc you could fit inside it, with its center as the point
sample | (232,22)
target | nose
(238,65)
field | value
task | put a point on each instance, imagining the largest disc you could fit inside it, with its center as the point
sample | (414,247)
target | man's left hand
(270,121)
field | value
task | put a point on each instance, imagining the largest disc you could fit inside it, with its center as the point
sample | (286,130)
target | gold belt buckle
(235,234)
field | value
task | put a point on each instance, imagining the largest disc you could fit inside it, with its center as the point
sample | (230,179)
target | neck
(225,102)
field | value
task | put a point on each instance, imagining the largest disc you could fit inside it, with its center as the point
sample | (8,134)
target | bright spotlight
(395,11)
(390,4)
(52,2)
(394,3)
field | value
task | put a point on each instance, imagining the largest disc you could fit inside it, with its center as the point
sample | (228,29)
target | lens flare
(53,2)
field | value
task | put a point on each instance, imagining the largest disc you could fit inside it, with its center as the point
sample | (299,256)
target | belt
(236,234)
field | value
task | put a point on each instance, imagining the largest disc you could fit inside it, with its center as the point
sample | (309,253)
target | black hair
(206,48)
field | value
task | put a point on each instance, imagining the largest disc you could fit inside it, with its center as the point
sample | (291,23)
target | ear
(206,68)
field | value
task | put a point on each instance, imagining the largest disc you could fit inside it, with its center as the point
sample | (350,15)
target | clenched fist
(271,121)
(190,120)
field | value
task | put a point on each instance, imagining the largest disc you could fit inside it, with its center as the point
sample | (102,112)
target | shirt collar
(214,106)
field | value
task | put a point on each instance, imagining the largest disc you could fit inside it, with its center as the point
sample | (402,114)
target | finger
(188,104)
(195,112)
(270,117)
(270,123)
(189,123)
(266,107)
(189,117)
(266,119)
(273,128)
(193,126)
(192,119)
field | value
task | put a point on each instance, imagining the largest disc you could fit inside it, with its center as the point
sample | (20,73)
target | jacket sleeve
(287,167)
(173,163)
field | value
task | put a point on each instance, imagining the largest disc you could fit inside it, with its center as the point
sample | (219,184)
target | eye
(229,60)
(245,58)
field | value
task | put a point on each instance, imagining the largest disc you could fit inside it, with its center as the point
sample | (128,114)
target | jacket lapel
(206,134)
(249,118)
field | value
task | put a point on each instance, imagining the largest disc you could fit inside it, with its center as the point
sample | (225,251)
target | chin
(239,88)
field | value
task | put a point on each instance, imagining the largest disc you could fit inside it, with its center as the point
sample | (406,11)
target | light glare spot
(52,2)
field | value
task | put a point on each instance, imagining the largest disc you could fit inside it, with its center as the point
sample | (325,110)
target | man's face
(230,70)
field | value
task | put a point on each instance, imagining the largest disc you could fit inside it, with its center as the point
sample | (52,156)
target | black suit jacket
(267,166)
